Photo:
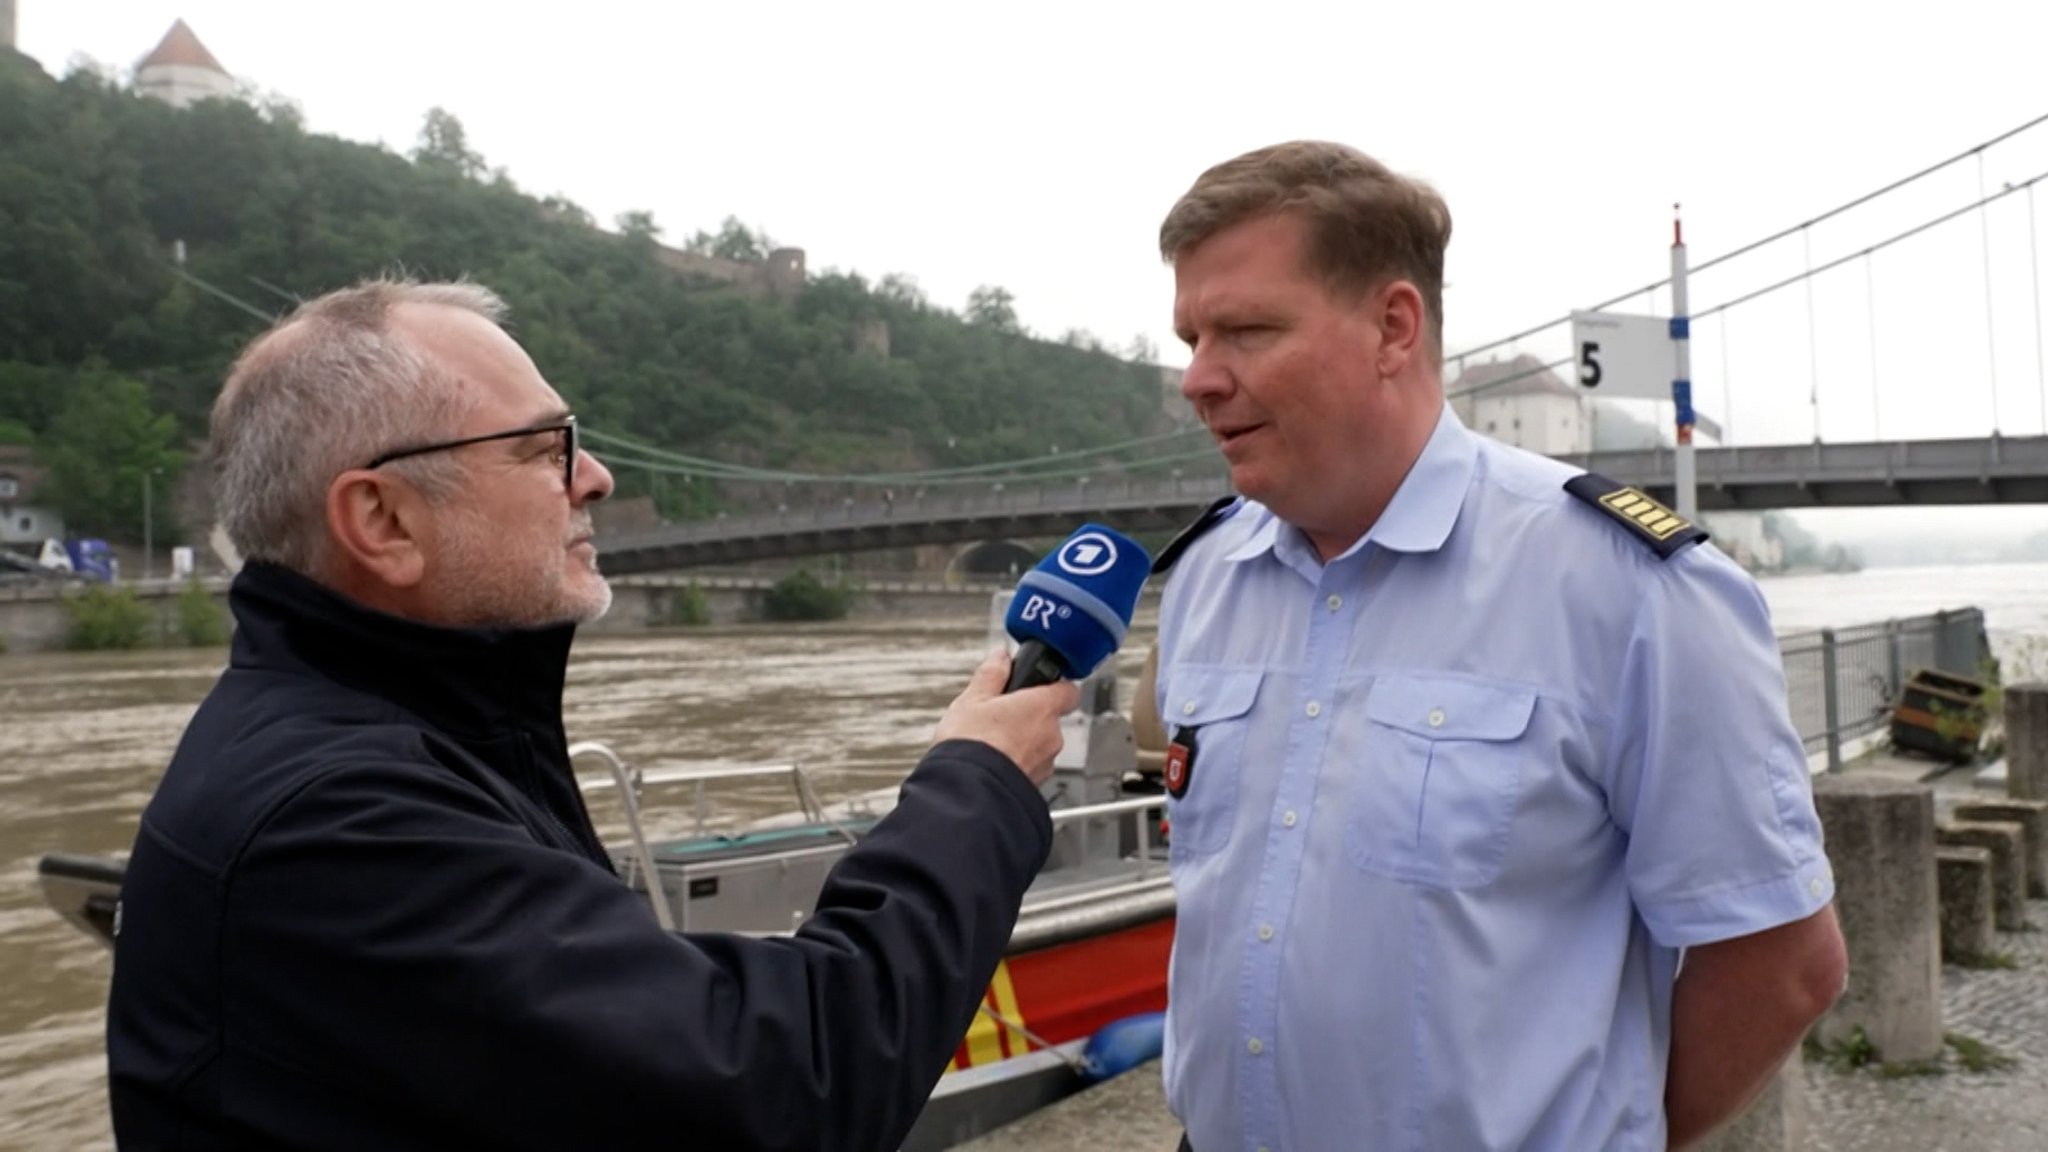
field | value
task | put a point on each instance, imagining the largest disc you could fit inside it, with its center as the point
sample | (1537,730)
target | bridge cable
(2040,363)
(626,460)
(1727,393)
(920,476)
(1524,374)
(1812,340)
(1990,323)
(236,301)
(1870,301)
(1766,290)
(1773,238)
(1879,246)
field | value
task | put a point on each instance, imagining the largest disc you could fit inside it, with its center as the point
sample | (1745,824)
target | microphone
(1070,612)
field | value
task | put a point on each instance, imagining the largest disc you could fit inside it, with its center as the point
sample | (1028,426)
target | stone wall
(781,275)
(35,620)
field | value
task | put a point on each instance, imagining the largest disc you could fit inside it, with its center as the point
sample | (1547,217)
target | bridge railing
(1895,460)
(999,500)
(1841,683)
(1964,471)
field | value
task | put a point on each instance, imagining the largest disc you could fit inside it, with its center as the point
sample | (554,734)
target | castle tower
(181,72)
(6,23)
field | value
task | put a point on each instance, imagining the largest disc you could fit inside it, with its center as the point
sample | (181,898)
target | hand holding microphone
(1069,614)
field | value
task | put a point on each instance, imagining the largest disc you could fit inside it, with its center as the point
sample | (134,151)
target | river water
(84,737)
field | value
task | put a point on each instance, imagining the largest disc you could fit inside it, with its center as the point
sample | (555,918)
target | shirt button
(1335,602)
(1314,709)
(1287,818)
(1815,886)
(1265,931)
(1436,717)
(1188,709)
(1254,1047)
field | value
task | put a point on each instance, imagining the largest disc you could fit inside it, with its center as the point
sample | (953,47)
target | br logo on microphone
(1039,610)
(1089,554)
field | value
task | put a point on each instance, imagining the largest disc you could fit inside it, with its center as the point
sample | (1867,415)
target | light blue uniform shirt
(1460,798)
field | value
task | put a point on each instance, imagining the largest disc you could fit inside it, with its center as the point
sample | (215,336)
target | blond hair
(1367,225)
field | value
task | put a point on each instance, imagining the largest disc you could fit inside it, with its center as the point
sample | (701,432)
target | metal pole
(1831,696)
(147,526)
(1892,684)
(1681,384)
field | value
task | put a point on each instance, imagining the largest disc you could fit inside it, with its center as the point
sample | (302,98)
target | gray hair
(325,390)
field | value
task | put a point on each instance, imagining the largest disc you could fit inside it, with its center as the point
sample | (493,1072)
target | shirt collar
(1421,514)
(1426,505)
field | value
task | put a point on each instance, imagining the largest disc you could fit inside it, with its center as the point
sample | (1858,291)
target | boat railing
(1136,809)
(632,783)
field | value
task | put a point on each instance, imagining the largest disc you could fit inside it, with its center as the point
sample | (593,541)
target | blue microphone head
(1078,600)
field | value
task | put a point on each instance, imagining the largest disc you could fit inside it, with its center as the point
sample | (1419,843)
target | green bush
(802,596)
(104,617)
(201,620)
(688,606)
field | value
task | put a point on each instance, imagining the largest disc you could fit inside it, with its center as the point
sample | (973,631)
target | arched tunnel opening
(996,559)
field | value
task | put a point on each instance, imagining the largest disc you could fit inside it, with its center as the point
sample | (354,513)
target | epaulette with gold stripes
(1211,516)
(1665,531)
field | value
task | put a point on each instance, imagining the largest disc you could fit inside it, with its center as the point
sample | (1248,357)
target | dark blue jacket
(366,909)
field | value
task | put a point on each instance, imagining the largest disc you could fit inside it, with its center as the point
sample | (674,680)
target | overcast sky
(1036,147)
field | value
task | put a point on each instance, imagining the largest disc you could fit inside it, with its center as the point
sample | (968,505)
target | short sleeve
(1708,777)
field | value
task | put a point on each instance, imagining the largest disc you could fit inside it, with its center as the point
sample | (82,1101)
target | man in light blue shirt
(1488,825)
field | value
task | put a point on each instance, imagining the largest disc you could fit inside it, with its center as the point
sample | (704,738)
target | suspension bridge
(1888,351)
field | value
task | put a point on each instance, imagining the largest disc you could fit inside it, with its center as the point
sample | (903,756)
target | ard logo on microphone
(1089,554)
(1040,610)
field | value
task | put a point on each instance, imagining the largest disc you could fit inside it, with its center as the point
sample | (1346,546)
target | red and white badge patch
(1180,763)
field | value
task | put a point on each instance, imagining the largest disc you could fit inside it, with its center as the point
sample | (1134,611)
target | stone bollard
(2026,741)
(1963,875)
(1880,839)
(2032,817)
(1775,1122)
(2008,867)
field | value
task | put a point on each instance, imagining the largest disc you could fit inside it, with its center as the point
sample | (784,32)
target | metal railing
(1841,683)
(631,782)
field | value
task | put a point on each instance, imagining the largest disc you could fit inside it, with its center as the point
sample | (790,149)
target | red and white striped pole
(1681,382)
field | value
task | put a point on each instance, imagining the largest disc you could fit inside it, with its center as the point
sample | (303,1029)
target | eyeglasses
(565,448)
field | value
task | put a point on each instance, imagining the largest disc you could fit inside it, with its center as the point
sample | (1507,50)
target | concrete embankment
(1127,1113)
(36,619)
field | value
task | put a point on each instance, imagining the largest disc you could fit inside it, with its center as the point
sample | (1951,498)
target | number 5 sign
(1623,355)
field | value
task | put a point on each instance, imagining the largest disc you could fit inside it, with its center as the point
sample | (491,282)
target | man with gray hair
(366,907)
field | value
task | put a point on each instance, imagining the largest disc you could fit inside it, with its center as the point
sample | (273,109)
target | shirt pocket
(1216,703)
(1433,801)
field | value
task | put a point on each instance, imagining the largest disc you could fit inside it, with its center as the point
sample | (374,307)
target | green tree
(733,241)
(103,617)
(444,146)
(150,243)
(992,307)
(97,452)
(639,225)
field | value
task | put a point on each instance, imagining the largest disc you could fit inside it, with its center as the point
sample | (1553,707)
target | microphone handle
(1033,665)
